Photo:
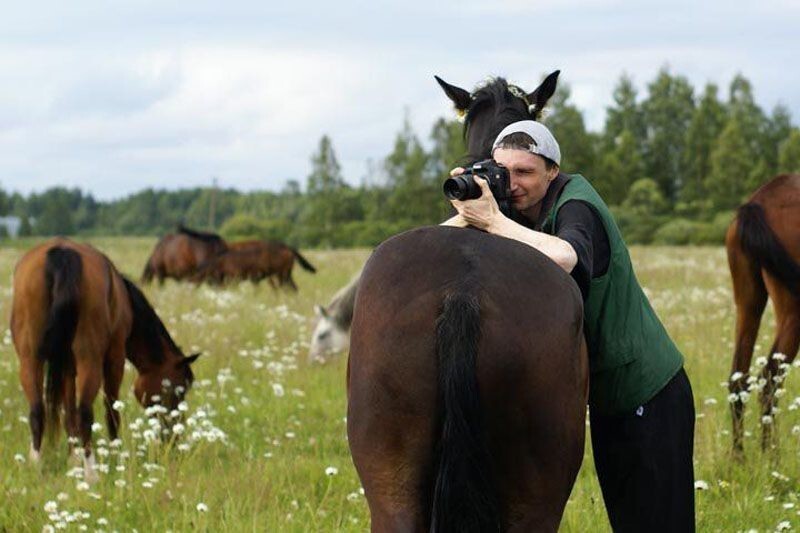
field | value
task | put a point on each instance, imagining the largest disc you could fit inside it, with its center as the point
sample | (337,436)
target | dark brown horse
(763,244)
(233,265)
(76,316)
(179,255)
(468,370)
(468,382)
(255,260)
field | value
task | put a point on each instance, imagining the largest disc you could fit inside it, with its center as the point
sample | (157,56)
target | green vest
(631,356)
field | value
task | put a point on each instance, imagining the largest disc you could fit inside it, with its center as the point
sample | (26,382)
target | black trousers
(644,462)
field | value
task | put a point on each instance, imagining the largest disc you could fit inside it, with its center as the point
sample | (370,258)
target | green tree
(330,201)
(731,166)
(668,111)
(750,117)
(707,123)
(620,167)
(566,122)
(778,128)
(789,154)
(449,147)
(624,115)
(415,197)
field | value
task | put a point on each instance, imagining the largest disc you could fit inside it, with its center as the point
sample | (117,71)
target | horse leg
(31,374)
(113,370)
(88,385)
(70,415)
(787,339)
(290,281)
(750,297)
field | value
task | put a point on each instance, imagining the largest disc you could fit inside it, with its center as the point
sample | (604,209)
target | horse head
(494,105)
(165,374)
(166,383)
(329,336)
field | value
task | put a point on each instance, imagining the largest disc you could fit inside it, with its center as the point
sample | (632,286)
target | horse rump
(759,242)
(63,273)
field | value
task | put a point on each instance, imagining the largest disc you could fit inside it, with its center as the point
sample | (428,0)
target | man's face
(529,178)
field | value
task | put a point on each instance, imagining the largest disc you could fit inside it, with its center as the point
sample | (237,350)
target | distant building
(12,225)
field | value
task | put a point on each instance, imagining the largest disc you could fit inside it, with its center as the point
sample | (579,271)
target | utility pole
(212,204)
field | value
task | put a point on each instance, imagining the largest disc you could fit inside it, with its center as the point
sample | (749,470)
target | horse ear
(320,311)
(459,96)
(190,359)
(539,97)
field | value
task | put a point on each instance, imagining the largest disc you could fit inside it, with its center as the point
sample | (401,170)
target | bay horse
(763,245)
(74,320)
(468,369)
(256,260)
(179,255)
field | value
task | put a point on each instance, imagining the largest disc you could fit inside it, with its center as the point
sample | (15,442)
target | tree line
(673,165)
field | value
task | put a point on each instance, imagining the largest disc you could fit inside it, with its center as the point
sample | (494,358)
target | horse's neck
(139,352)
(341,307)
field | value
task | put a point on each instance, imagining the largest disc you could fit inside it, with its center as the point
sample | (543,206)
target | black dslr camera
(464,187)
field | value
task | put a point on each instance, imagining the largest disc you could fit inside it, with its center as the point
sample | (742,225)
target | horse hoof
(34,455)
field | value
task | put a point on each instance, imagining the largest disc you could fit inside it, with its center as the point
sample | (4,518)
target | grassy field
(265,446)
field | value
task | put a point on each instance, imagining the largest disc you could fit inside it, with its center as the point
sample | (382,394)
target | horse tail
(63,272)
(302,260)
(760,243)
(464,498)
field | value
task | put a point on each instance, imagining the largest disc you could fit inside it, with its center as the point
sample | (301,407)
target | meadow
(264,444)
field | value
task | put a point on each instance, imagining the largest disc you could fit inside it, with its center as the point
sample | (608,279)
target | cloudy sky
(113,97)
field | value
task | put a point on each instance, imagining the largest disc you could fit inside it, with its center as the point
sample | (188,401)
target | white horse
(332,333)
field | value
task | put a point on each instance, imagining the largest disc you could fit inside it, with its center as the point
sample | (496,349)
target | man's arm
(556,249)
(484,213)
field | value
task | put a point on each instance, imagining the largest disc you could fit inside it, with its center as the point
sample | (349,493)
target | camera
(464,186)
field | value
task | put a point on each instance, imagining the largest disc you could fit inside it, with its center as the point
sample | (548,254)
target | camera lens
(455,188)
(461,188)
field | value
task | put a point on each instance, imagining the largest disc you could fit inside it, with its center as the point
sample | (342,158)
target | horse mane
(146,327)
(507,102)
(341,305)
(206,236)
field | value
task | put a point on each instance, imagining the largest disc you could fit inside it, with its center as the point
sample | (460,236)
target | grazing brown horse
(254,260)
(179,255)
(231,265)
(76,316)
(468,369)
(763,244)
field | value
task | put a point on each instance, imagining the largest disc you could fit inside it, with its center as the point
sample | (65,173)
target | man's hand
(482,213)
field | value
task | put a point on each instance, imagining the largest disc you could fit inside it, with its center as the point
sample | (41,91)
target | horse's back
(780,200)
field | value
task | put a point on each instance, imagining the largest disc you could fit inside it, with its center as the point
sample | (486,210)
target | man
(640,400)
